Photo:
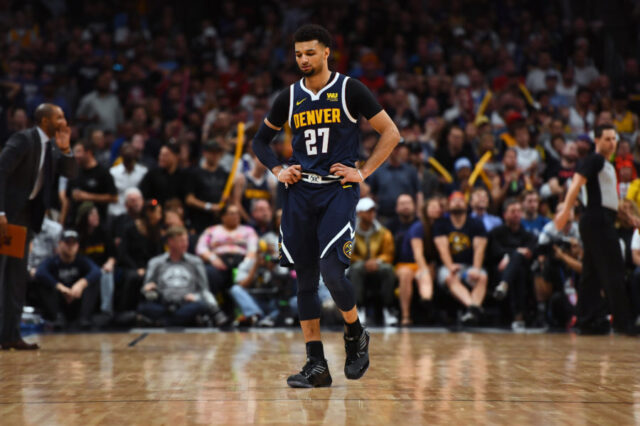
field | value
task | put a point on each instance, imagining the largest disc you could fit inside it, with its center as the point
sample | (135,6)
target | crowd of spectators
(496,103)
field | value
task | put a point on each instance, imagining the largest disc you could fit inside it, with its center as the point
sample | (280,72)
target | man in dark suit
(28,165)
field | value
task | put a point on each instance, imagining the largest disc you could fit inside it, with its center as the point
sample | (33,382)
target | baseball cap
(69,235)
(584,137)
(365,204)
(513,117)
(461,163)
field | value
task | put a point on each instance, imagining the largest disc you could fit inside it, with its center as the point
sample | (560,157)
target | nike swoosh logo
(299,102)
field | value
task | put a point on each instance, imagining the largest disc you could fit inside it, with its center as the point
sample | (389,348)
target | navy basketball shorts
(316,219)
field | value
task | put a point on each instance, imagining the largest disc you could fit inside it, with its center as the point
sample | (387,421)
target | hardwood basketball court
(416,377)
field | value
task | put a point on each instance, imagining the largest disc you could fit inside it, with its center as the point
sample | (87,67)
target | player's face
(311,57)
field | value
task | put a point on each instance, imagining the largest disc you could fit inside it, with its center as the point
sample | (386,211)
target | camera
(563,242)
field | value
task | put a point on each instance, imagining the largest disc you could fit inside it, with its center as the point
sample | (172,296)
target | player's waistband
(314,178)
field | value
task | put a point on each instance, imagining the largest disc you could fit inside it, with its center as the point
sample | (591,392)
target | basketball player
(318,209)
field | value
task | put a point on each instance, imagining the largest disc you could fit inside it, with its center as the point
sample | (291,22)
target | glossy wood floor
(239,378)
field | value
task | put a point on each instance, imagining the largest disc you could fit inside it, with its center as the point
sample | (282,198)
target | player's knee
(332,270)
(308,278)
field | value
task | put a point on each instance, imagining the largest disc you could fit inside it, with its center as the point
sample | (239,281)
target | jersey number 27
(311,137)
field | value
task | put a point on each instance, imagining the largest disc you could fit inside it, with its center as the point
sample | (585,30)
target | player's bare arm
(389,138)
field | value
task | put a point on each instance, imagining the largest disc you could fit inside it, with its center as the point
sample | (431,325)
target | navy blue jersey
(324,131)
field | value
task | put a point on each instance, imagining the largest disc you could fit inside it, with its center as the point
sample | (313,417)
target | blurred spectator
(419,242)
(462,170)
(101,108)
(261,217)
(44,244)
(205,186)
(97,246)
(511,182)
(536,76)
(256,184)
(512,249)
(453,148)
(584,71)
(141,241)
(625,171)
(225,247)
(557,175)
(94,183)
(133,204)
(175,287)
(479,206)
(102,152)
(128,174)
(428,181)
(400,223)
(68,284)
(393,178)
(461,242)
(528,158)
(167,180)
(625,121)
(532,220)
(568,87)
(581,117)
(371,270)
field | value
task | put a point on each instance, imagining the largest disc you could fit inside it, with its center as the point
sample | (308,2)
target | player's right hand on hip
(291,174)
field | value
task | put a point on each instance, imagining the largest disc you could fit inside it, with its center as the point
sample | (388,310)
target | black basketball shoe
(357,361)
(314,374)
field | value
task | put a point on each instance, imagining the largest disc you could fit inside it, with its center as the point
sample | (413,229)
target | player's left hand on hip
(350,174)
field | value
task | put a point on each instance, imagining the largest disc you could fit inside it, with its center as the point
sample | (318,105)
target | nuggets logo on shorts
(347,248)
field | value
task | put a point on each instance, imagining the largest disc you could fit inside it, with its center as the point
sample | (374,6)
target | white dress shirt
(43,141)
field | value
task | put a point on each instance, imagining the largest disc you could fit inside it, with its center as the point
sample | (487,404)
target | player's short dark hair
(597,132)
(309,32)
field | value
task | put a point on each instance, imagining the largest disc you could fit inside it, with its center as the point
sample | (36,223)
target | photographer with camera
(261,287)
(559,269)
(175,286)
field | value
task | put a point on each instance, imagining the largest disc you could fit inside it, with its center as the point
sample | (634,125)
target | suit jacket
(19,167)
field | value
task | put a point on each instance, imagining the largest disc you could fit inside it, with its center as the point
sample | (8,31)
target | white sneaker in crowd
(389,319)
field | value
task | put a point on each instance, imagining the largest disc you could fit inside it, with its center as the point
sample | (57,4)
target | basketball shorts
(316,219)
